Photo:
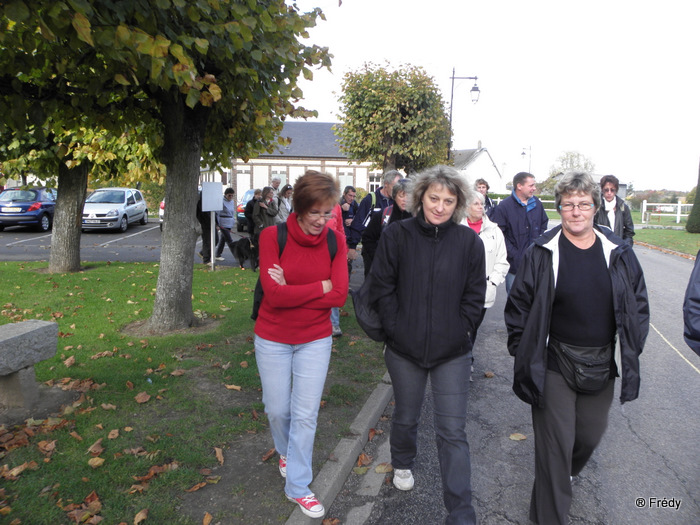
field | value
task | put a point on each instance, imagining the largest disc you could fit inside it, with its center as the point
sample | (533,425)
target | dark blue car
(27,207)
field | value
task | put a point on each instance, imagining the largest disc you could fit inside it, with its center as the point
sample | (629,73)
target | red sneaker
(309,505)
(283,466)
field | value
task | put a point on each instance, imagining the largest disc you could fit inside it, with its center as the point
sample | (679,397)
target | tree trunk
(68,217)
(184,130)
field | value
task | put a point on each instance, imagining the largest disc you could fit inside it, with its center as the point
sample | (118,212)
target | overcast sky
(616,80)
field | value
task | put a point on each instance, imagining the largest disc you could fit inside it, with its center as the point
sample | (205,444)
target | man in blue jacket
(522,219)
(374,202)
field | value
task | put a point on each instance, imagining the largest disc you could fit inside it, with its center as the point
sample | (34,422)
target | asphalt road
(648,456)
(140,243)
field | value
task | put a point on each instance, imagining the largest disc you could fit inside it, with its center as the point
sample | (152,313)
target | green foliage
(693,225)
(394,119)
(690,196)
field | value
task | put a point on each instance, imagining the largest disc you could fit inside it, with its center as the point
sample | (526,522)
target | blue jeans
(450,386)
(292,379)
(335,316)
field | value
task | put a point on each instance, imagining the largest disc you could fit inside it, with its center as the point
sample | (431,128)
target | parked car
(241,221)
(161,213)
(114,209)
(27,207)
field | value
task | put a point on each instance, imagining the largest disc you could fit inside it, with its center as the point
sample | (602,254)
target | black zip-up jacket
(428,285)
(529,309)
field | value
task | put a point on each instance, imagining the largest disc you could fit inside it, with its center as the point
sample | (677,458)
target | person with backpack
(301,281)
(374,202)
(393,212)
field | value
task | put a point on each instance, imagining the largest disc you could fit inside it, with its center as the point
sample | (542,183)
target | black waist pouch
(586,369)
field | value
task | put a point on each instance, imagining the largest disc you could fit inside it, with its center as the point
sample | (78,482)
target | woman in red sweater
(300,287)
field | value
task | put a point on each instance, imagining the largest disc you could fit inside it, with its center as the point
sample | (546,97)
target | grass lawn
(151,412)
(676,240)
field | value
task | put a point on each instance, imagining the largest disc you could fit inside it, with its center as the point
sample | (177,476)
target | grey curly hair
(577,182)
(450,179)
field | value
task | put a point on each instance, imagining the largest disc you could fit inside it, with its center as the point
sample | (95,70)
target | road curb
(331,478)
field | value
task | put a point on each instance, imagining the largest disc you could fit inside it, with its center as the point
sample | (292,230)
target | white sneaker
(337,332)
(403,479)
(283,465)
(219,258)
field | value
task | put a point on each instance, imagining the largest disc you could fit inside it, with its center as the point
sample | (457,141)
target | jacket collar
(430,229)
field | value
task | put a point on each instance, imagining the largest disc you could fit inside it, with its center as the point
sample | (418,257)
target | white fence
(664,209)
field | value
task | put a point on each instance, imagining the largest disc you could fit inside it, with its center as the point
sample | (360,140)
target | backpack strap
(332,243)
(281,237)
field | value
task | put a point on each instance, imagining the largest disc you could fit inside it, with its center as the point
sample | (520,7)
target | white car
(114,209)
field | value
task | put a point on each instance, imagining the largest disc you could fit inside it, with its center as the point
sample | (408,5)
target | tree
(216,77)
(394,119)
(693,224)
(567,161)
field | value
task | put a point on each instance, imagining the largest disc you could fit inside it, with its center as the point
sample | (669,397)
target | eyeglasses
(320,215)
(609,190)
(582,206)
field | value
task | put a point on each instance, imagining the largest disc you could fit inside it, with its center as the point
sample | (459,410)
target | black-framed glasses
(582,206)
(609,190)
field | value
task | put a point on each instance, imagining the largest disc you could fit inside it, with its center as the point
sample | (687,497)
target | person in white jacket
(495,249)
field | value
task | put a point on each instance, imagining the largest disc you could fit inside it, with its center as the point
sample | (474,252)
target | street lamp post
(474,91)
(529,157)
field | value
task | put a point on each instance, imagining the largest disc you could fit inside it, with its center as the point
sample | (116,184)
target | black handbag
(365,313)
(586,369)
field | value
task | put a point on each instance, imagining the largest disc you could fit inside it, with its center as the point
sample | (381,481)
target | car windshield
(110,197)
(247,196)
(18,196)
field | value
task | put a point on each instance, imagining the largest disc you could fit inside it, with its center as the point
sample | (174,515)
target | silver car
(114,209)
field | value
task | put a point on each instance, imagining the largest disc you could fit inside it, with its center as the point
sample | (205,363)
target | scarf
(610,210)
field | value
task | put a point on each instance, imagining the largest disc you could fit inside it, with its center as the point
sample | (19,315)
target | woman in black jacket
(394,212)
(428,285)
(579,294)
(613,212)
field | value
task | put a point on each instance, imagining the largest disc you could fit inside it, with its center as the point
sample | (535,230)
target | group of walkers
(434,258)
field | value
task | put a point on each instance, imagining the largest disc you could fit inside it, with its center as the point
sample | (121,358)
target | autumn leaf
(108,406)
(141,516)
(331,521)
(219,455)
(207,519)
(267,455)
(75,435)
(371,434)
(360,470)
(96,462)
(69,362)
(47,447)
(363,459)
(113,434)
(178,372)
(517,436)
(96,448)
(489,374)
(196,487)
(129,385)
(233,387)
(383,468)
(142,397)
(244,364)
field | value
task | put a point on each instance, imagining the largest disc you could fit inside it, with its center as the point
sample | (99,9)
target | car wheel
(161,226)
(239,227)
(44,224)
(144,219)
(123,224)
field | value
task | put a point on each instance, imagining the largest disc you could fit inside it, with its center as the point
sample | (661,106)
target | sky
(616,80)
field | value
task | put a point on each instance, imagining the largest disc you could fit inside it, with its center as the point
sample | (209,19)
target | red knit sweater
(299,312)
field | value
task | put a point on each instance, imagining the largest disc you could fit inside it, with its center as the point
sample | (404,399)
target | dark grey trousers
(567,431)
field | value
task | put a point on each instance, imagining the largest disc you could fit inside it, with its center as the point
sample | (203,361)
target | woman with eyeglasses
(577,317)
(614,213)
(300,286)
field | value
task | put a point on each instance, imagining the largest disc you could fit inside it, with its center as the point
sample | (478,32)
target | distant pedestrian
(284,203)
(275,182)
(483,187)
(248,211)
(293,330)
(374,202)
(577,317)
(227,222)
(428,287)
(522,219)
(614,213)
(691,309)
(204,219)
(264,212)
(348,206)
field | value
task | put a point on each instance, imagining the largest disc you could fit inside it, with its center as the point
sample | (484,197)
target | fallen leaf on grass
(517,436)
(267,455)
(244,364)
(96,448)
(207,519)
(141,516)
(113,434)
(96,462)
(219,455)
(69,362)
(129,385)
(47,447)
(383,468)
(178,372)
(142,397)
(75,435)
(196,487)
(360,470)
(233,387)
(157,469)
(108,406)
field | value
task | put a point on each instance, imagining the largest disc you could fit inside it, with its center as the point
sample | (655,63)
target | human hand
(348,222)
(277,274)
(352,254)
(345,206)
(263,205)
(327,285)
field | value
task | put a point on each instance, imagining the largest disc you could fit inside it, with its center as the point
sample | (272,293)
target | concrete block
(19,389)
(25,344)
